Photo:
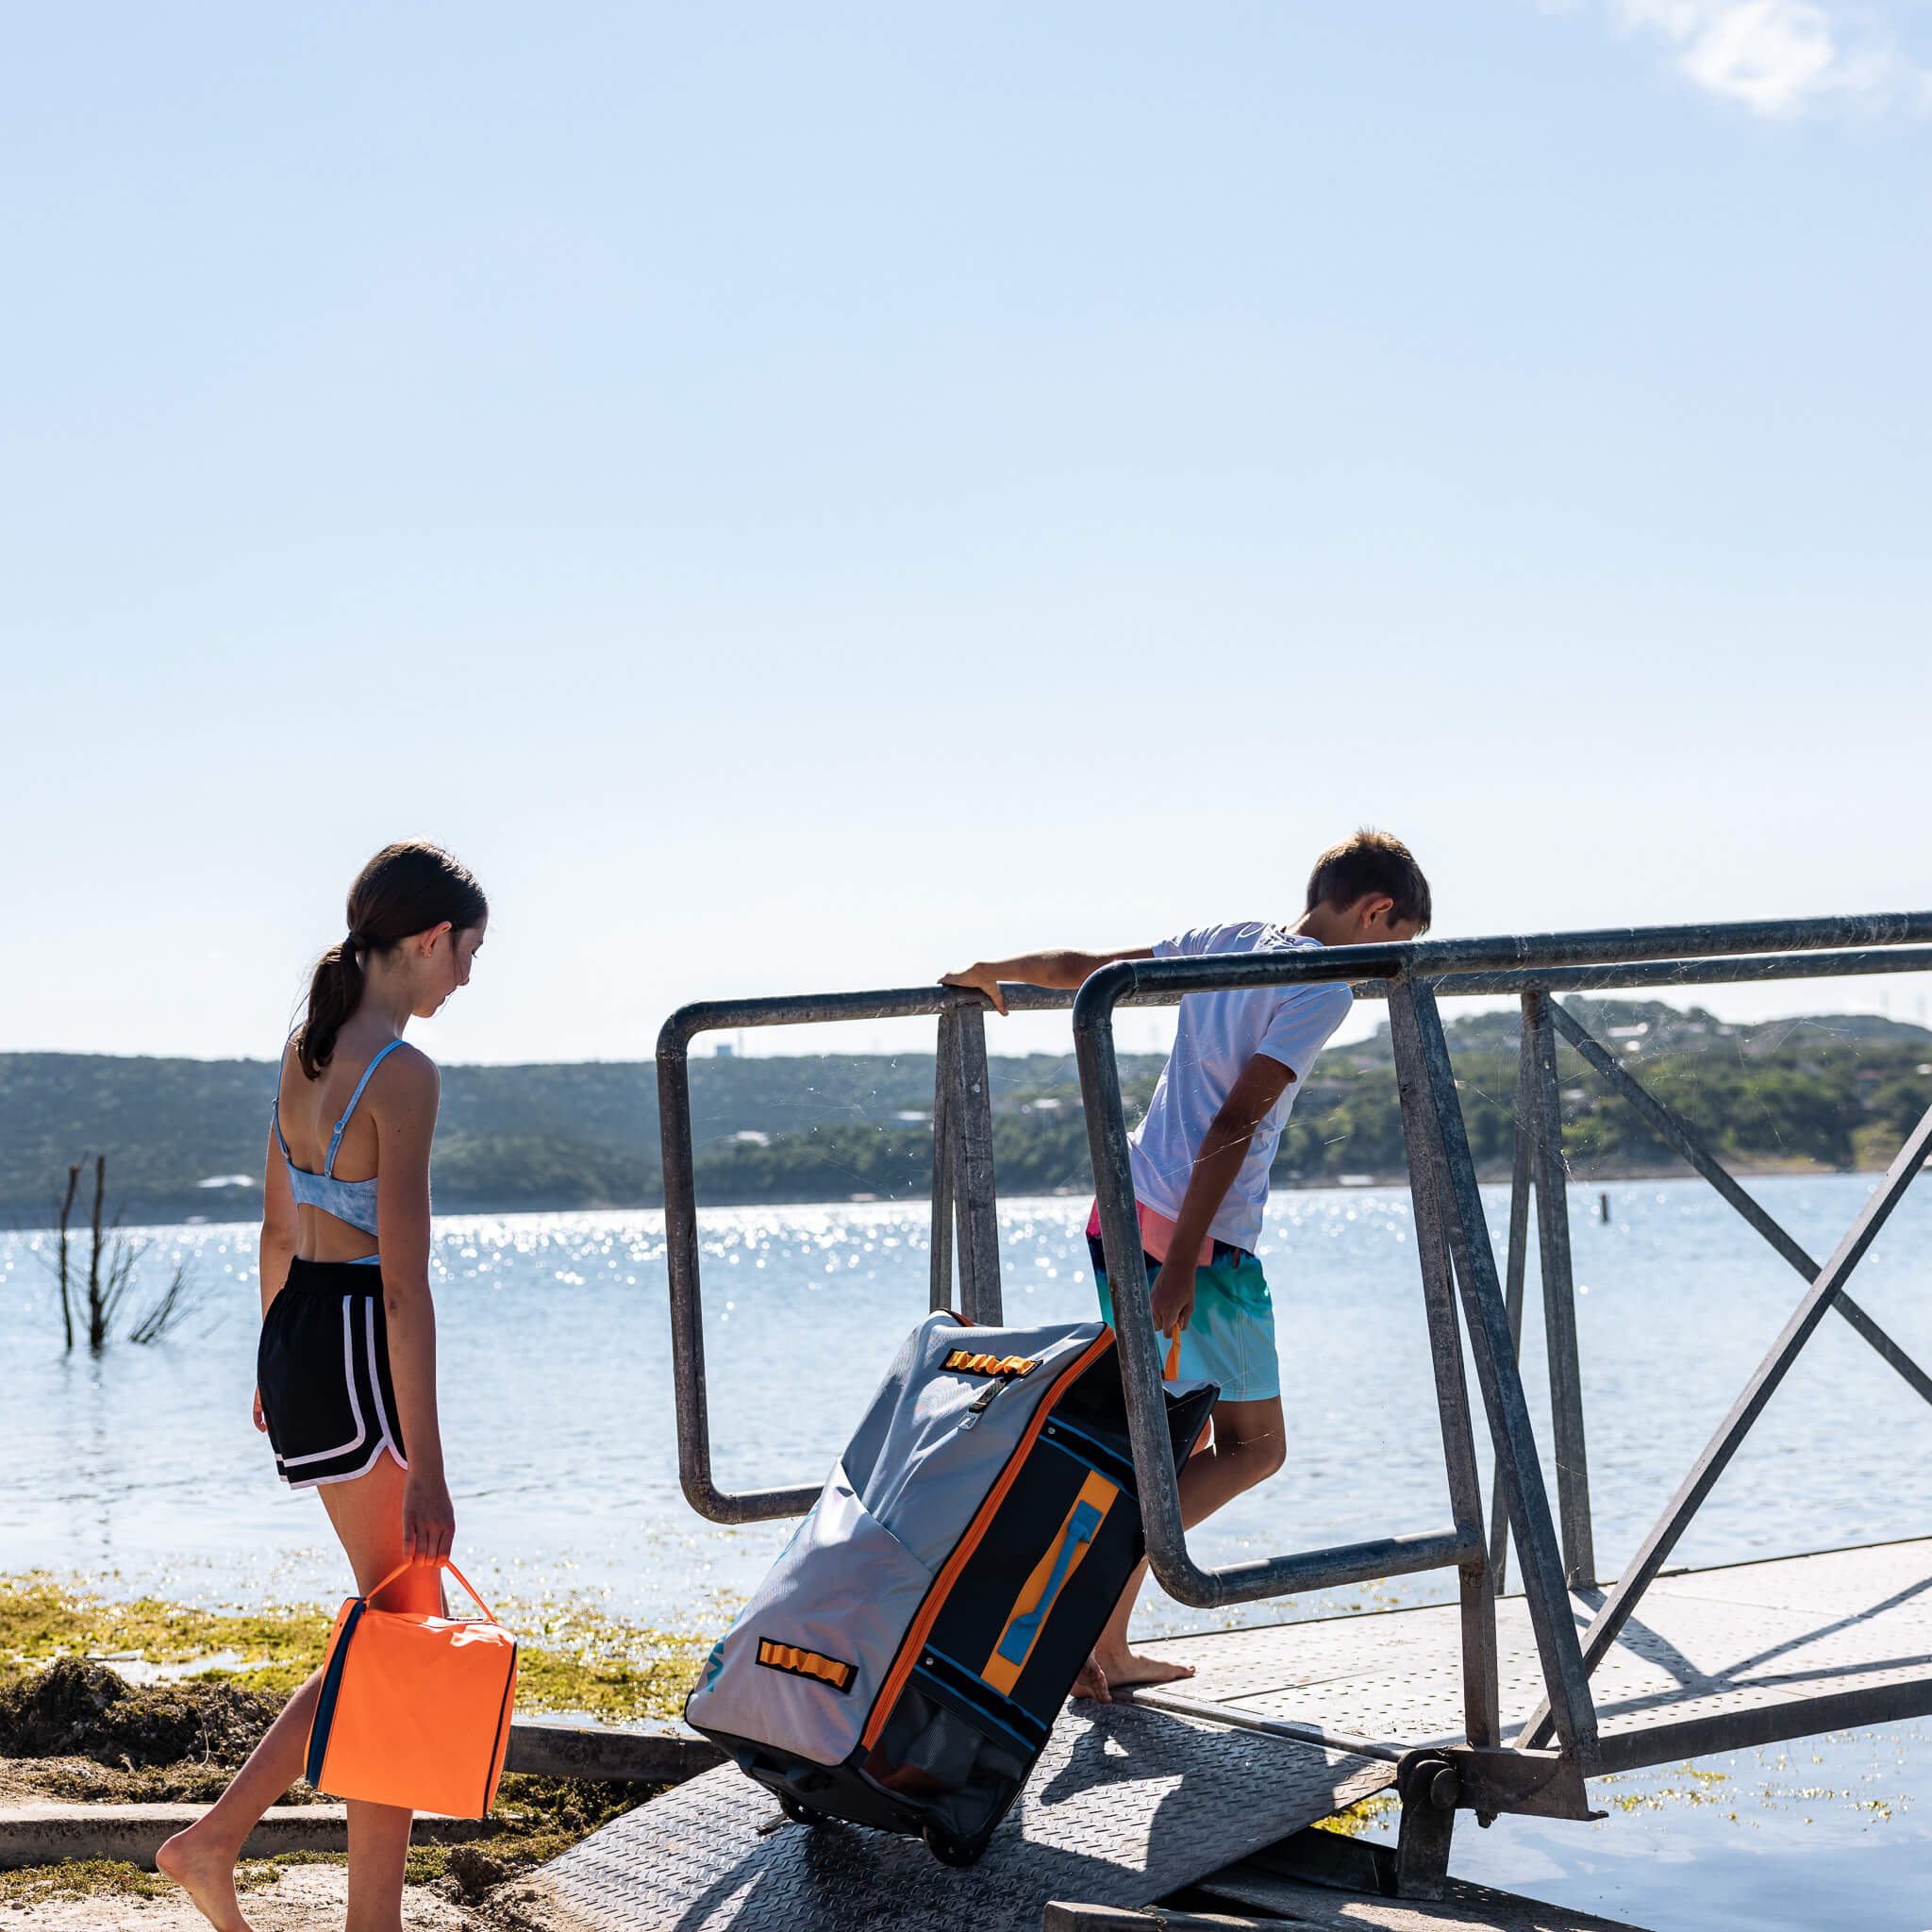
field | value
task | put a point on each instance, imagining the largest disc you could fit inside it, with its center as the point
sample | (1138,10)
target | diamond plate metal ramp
(1781,1637)
(1124,1805)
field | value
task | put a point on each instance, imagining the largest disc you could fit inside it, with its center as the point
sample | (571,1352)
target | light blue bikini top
(350,1200)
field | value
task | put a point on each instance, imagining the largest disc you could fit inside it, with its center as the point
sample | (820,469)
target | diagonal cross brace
(1512,1291)
(1674,1129)
(1670,1526)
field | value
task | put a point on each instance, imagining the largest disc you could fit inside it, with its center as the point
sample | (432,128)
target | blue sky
(803,497)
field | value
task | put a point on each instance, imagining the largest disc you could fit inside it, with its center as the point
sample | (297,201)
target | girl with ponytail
(345,1371)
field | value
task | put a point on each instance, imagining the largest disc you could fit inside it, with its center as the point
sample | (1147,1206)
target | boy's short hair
(1371,865)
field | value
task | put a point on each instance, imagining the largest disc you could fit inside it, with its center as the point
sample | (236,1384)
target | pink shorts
(1157,1234)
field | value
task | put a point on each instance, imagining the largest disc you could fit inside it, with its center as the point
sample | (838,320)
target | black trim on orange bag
(493,1772)
(794,1662)
(331,1688)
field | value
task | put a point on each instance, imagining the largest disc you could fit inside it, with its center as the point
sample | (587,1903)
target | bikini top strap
(274,1106)
(335,1139)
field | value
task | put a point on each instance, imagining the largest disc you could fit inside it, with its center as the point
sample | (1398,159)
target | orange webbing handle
(1171,1373)
(445,1563)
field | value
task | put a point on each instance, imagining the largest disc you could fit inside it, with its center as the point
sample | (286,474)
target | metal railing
(1458,1264)
(965,1220)
(1453,1245)
(1540,1169)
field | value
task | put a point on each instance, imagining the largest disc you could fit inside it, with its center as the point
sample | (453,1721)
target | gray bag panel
(937,1458)
(852,1579)
(846,1588)
(862,1453)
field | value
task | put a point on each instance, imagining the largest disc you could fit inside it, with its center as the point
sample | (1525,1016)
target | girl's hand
(260,1420)
(1173,1297)
(429,1519)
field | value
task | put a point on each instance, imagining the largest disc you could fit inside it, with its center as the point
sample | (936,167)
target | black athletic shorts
(323,1374)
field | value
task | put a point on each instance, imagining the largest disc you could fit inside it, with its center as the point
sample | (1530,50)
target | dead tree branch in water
(113,1263)
(173,1305)
(104,1293)
(66,1213)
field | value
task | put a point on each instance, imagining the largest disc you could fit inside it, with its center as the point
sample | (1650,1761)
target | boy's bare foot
(206,1874)
(1092,1682)
(1126,1670)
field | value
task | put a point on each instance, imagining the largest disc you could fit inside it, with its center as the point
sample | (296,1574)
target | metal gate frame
(965,1221)
(1453,1250)
(1458,1270)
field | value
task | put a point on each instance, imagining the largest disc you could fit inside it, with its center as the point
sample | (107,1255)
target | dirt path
(307,1898)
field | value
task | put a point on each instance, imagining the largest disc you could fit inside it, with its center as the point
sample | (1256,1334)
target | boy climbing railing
(1455,1252)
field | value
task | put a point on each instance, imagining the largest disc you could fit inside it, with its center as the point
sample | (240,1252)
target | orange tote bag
(414,1710)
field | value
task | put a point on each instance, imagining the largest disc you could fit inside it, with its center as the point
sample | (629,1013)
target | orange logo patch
(807,1663)
(966,1362)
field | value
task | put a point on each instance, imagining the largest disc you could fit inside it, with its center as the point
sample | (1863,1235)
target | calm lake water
(141,1471)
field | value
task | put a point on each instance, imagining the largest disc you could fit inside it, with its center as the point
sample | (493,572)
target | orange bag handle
(1172,1372)
(445,1563)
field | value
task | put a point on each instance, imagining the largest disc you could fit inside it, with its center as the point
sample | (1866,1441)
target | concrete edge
(596,1751)
(46,1834)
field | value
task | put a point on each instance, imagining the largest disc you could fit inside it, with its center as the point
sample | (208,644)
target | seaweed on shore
(28,1885)
(75,1708)
(77,1731)
(39,1621)
(574,1656)
(34,1884)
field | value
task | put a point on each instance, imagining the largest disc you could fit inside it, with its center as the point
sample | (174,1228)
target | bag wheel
(949,1851)
(798,1812)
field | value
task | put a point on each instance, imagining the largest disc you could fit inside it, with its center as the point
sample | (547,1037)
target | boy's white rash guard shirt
(1218,1035)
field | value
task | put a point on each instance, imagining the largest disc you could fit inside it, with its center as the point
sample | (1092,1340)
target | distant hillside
(576,1135)
(1827,1093)
(1831,1091)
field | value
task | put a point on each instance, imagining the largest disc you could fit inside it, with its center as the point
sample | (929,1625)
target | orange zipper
(935,1596)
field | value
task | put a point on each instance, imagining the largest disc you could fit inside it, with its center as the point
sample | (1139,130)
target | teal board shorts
(1230,1338)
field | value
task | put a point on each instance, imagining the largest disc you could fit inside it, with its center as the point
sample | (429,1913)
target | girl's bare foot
(206,1874)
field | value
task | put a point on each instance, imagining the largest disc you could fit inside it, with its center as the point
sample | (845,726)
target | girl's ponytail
(404,889)
(334,993)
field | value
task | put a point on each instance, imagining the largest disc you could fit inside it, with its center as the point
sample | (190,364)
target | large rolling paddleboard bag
(903,1662)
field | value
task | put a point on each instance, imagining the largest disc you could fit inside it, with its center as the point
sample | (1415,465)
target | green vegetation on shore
(572,1655)
(41,1620)
(1822,1093)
